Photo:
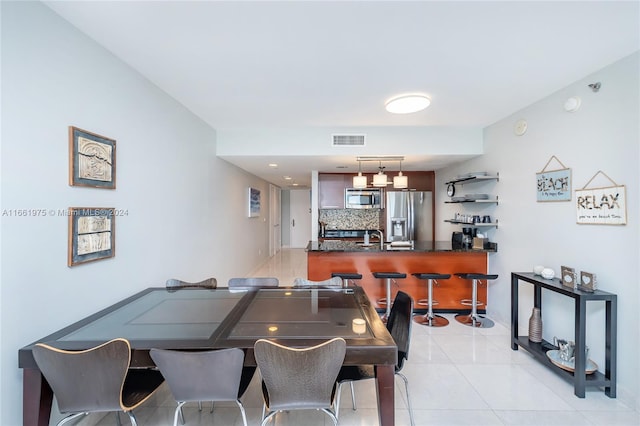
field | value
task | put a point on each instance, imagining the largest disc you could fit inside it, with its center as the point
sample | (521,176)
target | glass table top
(185,314)
(300,314)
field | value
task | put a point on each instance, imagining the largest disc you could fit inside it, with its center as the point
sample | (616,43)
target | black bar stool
(388,276)
(347,277)
(473,319)
(429,318)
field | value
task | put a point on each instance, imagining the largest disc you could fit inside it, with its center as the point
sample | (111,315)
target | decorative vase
(535,326)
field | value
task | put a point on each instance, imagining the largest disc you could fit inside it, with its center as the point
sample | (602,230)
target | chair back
(89,380)
(175,284)
(399,325)
(335,282)
(198,376)
(299,378)
(253,283)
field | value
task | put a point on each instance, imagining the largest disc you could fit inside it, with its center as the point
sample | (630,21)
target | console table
(579,377)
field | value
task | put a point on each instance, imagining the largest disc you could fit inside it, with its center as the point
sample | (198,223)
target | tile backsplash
(351,218)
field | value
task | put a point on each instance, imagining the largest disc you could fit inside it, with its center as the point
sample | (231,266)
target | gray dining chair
(399,326)
(96,380)
(335,282)
(253,283)
(175,284)
(207,375)
(299,379)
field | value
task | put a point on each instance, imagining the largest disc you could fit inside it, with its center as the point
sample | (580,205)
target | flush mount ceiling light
(359,181)
(406,104)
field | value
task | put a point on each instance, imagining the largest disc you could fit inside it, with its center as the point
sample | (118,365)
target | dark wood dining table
(204,319)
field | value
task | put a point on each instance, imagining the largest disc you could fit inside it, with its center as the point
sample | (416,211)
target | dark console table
(579,378)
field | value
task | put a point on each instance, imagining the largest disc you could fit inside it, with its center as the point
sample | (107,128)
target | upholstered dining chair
(207,375)
(175,284)
(399,326)
(299,379)
(253,283)
(96,380)
(335,282)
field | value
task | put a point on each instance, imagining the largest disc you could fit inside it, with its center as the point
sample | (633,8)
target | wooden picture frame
(588,282)
(568,277)
(554,185)
(602,206)
(254,202)
(91,234)
(92,159)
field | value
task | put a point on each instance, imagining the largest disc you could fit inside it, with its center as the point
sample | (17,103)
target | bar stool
(347,277)
(473,319)
(388,276)
(429,318)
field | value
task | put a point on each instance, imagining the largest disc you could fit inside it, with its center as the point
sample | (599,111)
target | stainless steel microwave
(363,198)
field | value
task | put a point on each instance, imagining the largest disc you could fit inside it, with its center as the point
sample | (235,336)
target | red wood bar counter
(326,257)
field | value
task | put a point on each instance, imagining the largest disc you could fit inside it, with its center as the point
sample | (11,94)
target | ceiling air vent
(347,140)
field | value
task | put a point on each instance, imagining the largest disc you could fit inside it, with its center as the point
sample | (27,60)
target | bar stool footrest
(469,302)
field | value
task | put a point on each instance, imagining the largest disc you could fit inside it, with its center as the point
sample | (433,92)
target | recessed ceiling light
(273,165)
(406,104)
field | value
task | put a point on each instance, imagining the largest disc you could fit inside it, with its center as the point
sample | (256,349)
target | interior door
(300,218)
(275,236)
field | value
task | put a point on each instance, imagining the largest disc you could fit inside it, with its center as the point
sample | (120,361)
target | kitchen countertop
(339,245)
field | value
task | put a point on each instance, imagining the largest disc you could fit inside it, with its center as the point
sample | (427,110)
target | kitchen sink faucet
(380,236)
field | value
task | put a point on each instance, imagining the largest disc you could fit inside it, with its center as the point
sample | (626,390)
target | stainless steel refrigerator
(409,216)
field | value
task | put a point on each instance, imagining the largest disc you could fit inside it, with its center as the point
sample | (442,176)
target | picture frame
(568,277)
(553,185)
(92,159)
(254,202)
(91,234)
(588,282)
(601,206)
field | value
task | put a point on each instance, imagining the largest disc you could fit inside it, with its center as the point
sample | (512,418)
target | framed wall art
(92,159)
(91,234)
(554,185)
(601,206)
(254,202)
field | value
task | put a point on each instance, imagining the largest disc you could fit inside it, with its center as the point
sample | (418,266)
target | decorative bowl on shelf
(548,273)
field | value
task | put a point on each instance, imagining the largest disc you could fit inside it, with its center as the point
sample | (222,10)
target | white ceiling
(334,64)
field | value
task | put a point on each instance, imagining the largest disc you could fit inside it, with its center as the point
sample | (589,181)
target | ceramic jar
(535,326)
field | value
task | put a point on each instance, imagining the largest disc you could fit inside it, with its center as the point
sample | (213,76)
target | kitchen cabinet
(331,188)
(579,376)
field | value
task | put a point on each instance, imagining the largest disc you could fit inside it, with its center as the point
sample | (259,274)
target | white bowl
(538,269)
(548,273)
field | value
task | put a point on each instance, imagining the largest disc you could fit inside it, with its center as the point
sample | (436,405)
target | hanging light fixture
(359,181)
(400,181)
(380,179)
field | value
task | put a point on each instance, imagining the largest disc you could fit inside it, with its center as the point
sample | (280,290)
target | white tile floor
(457,376)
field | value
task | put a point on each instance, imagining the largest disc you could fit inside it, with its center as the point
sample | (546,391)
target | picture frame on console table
(92,159)
(91,234)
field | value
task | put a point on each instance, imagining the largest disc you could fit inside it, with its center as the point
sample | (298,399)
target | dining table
(206,319)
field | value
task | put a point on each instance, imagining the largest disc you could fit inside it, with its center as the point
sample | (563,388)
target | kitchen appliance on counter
(409,216)
(363,198)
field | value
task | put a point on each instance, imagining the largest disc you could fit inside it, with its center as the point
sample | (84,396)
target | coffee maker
(468,234)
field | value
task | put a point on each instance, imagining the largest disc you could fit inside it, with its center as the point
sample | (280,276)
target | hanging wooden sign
(601,206)
(554,185)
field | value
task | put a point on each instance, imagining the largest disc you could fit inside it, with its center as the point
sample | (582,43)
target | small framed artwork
(568,277)
(554,185)
(254,202)
(91,234)
(92,159)
(588,282)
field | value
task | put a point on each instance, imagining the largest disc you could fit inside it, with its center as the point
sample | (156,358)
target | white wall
(602,135)
(187,210)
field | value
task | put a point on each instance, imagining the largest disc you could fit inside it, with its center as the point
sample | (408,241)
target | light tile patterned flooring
(457,376)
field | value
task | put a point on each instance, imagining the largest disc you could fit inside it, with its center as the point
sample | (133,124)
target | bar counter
(328,256)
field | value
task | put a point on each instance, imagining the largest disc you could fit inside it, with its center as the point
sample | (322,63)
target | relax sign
(602,206)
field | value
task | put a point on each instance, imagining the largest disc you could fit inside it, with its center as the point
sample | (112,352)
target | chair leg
(211,411)
(244,415)
(331,414)
(132,417)
(336,402)
(199,405)
(178,413)
(265,420)
(118,418)
(353,396)
(406,387)
(71,417)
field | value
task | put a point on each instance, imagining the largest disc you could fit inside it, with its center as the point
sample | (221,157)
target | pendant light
(400,181)
(380,179)
(359,182)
